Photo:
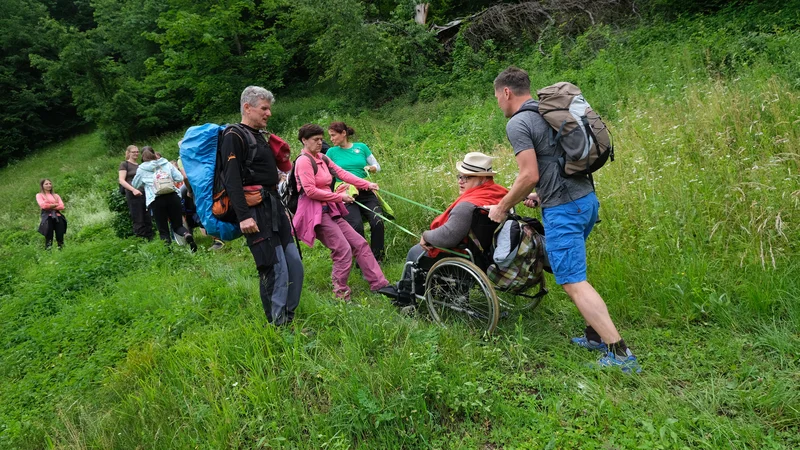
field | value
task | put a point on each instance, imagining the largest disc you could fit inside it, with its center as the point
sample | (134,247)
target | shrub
(121,222)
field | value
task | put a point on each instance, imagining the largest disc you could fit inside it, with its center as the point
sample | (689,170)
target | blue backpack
(199,158)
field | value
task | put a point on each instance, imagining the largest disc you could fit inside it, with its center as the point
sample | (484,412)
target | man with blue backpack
(558,142)
(251,183)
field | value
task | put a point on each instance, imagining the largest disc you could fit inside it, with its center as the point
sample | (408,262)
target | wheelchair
(456,289)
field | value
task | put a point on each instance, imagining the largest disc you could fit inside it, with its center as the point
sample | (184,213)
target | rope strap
(362,206)
(384,191)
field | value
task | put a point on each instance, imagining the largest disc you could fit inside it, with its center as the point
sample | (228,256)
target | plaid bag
(519,255)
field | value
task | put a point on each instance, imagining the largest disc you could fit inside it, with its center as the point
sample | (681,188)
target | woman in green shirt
(356,158)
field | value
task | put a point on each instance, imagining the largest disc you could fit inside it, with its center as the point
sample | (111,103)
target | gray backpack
(578,130)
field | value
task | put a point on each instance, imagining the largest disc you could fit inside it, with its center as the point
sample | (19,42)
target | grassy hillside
(125,344)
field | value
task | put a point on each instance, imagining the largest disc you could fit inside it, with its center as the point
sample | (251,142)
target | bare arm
(125,184)
(523,185)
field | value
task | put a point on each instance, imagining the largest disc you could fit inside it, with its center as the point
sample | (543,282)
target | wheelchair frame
(456,288)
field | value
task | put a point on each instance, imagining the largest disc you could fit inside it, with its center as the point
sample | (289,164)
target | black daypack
(578,131)
(291,194)
(222,208)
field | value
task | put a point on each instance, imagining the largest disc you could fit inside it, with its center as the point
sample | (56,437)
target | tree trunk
(421,13)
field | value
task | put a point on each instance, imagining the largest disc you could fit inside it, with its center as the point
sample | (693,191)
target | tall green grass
(125,344)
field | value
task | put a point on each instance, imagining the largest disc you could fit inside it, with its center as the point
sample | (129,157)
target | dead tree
(421,13)
(529,20)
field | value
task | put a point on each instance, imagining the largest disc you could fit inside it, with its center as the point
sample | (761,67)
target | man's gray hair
(252,94)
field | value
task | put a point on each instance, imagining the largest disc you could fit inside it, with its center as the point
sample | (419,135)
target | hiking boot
(628,364)
(388,290)
(217,245)
(589,344)
(190,240)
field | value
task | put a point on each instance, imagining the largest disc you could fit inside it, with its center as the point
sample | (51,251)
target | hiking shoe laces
(589,344)
(628,364)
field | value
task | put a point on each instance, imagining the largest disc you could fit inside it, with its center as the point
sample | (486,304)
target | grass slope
(123,344)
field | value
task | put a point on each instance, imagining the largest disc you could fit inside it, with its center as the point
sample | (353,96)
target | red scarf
(486,194)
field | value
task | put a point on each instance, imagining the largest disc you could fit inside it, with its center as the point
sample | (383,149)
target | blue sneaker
(589,344)
(627,365)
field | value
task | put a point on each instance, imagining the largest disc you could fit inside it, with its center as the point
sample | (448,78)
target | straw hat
(476,164)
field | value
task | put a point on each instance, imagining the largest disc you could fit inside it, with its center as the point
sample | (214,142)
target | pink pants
(344,242)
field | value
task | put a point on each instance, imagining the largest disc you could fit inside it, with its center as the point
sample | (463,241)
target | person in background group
(356,158)
(53,221)
(166,207)
(140,216)
(178,184)
(569,212)
(265,225)
(192,219)
(319,215)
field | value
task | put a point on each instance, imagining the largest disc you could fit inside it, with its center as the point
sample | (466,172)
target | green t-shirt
(353,159)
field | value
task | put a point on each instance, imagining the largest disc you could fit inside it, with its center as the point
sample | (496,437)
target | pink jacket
(317,193)
(46,200)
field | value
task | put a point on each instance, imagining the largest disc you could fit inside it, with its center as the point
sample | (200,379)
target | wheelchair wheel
(517,302)
(456,290)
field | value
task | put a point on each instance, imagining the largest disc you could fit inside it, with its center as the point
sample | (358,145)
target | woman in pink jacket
(53,221)
(320,210)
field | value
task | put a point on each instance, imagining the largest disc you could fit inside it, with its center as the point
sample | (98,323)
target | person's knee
(347,253)
(580,291)
(341,250)
(573,288)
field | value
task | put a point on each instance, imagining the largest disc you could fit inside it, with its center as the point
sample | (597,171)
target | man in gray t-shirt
(569,212)
(528,130)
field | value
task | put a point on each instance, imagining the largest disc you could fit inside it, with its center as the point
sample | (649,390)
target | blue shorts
(566,228)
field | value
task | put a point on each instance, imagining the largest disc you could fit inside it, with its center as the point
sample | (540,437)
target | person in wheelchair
(451,230)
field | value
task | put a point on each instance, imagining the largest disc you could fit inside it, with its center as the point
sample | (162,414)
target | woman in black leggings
(158,176)
(53,221)
(140,216)
(357,158)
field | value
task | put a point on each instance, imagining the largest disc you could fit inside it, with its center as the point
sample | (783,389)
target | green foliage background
(119,343)
(134,68)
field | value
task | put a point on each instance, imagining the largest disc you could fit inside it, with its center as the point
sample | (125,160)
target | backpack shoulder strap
(252,145)
(534,107)
(313,163)
(528,107)
(327,160)
(328,163)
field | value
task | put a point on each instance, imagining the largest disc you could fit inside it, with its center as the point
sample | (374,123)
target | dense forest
(135,68)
